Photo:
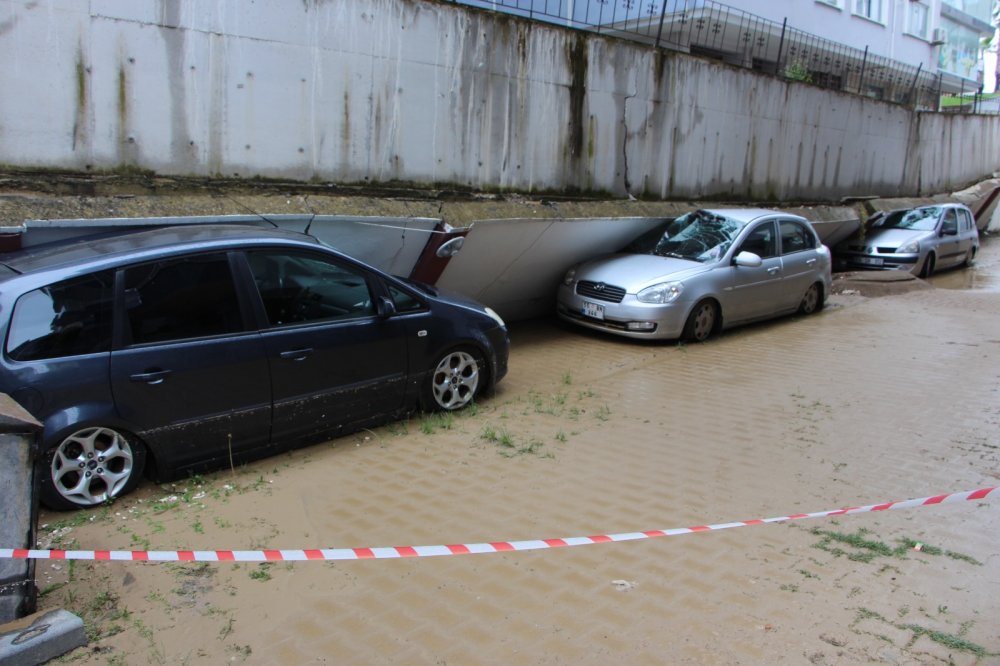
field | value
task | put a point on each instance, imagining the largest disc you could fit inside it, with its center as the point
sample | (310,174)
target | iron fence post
(781,47)
(861,79)
(913,86)
(659,31)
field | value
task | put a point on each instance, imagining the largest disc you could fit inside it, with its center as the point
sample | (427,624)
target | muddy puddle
(871,400)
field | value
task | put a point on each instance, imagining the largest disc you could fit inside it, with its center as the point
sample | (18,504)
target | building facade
(942,36)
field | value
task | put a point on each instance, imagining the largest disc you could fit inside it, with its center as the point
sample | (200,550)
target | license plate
(593,310)
(869,261)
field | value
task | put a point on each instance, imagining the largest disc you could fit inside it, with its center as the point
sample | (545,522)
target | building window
(917,19)
(870,9)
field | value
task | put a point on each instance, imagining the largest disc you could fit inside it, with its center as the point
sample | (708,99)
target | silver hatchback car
(705,271)
(919,240)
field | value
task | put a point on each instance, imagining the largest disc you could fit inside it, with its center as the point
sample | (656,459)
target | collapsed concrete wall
(378,91)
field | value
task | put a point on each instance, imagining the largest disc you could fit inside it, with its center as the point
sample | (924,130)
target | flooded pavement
(871,400)
(984,274)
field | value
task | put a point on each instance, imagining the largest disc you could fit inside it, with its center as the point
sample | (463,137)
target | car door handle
(773,270)
(150,377)
(296,354)
(810,262)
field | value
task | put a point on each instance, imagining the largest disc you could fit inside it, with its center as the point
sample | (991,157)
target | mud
(873,399)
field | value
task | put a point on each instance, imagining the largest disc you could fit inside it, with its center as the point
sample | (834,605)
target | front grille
(600,291)
(887,250)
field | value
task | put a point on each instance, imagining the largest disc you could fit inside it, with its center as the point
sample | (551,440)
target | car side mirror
(949,232)
(747,259)
(386,308)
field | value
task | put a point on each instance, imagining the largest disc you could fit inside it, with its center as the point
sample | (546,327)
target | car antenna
(252,211)
(309,224)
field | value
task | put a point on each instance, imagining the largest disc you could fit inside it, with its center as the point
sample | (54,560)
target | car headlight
(665,292)
(569,277)
(910,248)
(495,317)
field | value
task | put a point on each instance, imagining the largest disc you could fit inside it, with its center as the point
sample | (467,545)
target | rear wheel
(90,467)
(812,300)
(701,322)
(927,269)
(970,257)
(457,378)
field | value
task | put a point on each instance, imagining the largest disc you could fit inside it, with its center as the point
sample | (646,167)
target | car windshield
(698,236)
(918,219)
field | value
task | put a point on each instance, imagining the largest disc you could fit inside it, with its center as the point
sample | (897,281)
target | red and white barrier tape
(330,554)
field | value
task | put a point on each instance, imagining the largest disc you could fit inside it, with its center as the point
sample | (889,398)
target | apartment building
(939,36)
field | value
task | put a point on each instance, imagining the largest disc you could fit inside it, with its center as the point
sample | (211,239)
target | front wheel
(701,322)
(457,378)
(927,269)
(90,467)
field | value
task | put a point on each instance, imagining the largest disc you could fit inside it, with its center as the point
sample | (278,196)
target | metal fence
(708,28)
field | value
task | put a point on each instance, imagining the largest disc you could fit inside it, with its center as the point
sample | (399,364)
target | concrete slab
(38,638)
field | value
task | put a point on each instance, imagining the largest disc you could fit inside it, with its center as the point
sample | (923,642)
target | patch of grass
(950,641)
(262,572)
(864,550)
(431,423)
(603,413)
(561,437)
(567,378)
(907,545)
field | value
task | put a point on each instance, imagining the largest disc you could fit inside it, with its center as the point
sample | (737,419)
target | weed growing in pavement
(262,572)
(431,423)
(567,378)
(956,642)
(866,549)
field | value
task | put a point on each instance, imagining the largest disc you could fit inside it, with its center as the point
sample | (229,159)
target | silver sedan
(919,240)
(705,271)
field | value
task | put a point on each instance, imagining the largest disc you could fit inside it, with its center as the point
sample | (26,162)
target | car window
(966,218)
(918,219)
(403,301)
(795,237)
(64,319)
(950,223)
(175,299)
(698,236)
(760,241)
(298,288)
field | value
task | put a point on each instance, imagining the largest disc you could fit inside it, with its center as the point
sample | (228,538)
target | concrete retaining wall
(376,91)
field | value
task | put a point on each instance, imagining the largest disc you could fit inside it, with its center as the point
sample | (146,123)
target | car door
(333,360)
(756,291)
(799,261)
(187,369)
(949,248)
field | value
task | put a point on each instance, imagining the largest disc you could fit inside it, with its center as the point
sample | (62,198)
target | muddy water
(871,400)
(984,274)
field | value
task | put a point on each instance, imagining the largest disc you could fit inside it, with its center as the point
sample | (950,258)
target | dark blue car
(180,349)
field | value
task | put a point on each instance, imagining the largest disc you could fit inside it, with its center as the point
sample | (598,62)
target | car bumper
(630,318)
(500,343)
(882,262)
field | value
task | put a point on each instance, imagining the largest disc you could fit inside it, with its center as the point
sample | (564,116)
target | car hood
(635,272)
(894,237)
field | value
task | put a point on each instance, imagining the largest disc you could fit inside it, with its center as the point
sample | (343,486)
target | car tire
(89,467)
(812,300)
(927,269)
(702,322)
(970,257)
(458,377)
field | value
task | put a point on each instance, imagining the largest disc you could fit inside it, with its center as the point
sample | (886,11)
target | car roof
(746,215)
(105,248)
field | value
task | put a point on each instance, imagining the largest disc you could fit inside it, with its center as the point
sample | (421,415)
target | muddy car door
(756,290)
(189,370)
(334,359)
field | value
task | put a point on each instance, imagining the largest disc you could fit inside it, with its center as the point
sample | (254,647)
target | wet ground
(871,400)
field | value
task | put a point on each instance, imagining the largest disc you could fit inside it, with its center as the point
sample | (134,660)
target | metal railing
(709,28)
